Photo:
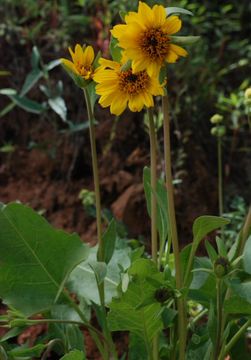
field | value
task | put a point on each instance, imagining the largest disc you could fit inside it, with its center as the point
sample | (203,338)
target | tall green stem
(100,255)
(153,151)
(182,326)
(220,182)
(154,233)
(95,174)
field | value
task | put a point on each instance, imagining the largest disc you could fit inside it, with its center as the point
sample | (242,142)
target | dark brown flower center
(133,83)
(155,43)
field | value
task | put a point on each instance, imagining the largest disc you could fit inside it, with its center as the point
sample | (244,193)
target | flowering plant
(174,304)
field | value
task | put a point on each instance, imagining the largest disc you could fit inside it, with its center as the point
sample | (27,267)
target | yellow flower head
(146,38)
(118,87)
(82,59)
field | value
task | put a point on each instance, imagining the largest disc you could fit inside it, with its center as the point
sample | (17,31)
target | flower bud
(218,131)
(221,267)
(163,294)
(247,94)
(216,119)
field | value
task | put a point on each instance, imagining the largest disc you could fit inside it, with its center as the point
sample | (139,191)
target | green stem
(153,151)
(154,233)
(220,182)
(95,174)
(219,309)
(105,327)
(182,327)
(234,339)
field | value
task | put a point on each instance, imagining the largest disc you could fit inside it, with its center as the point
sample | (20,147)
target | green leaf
(242,289)
(34,351)
(203,225)
(57,104)
(247,256)
(211,251)
(27,104)
(162,207)
(115,50)
(74,355)
(222,250)
(31,79)
(144,322)
(82,279)
(177,10)
(8,91)
(35,58)
(137,350)
(91,89)
(36,259)
(237,305)
(109,239)
(185,40)
(52,64)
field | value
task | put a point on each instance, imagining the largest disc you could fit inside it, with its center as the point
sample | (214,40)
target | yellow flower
(82,59)
(119,88)
(146,38)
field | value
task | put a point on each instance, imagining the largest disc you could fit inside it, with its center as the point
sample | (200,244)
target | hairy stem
(154,233)
(95,174)
(182,327)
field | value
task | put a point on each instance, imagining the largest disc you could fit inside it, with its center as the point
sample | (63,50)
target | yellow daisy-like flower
(82,59)
(146,38)
(118,88)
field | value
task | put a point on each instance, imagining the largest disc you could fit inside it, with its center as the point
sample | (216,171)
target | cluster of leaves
(48,265)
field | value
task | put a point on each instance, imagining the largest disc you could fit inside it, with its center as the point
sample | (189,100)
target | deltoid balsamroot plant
(173,304)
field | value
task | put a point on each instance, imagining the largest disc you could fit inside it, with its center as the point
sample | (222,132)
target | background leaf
(74,355)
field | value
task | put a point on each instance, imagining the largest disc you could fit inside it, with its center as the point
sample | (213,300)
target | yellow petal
(153,69)
(119,104)
(109,64)
(105,75)
(171,56)
(72,53)
(172,25)
(79,54)
(88,56)
(159,14)
(69,65)
(178,50)
(118,30)
(136,103)
(146,15)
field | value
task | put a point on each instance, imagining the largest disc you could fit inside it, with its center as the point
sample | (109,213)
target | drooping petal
(178,50)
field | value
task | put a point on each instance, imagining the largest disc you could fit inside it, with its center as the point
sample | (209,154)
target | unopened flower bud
(221,267)
(218,131)
(247,94)
(163,294)
(216,119)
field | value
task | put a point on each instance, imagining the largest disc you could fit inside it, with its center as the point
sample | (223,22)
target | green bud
(163,294)
(247,94)
(216,119)
(221,267)
(247,101)
(218,131)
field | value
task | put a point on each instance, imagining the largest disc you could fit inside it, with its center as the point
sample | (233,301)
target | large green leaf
(35,259)
(144,321)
